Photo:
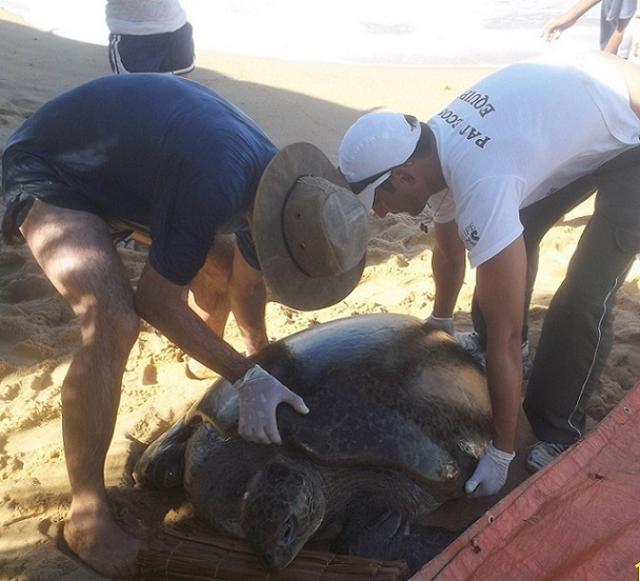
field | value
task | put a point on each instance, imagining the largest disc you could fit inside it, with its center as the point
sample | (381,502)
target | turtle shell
(383,390)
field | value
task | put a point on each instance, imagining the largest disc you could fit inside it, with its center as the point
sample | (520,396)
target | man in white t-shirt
(499,166)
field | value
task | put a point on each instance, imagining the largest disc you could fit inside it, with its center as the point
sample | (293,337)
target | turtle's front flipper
(218,407)
(162,464)
(388,536)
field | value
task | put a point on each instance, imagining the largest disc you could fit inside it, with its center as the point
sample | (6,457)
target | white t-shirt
(144,16)
(522,134)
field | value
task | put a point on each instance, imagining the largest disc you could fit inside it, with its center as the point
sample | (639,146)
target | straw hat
(310,230)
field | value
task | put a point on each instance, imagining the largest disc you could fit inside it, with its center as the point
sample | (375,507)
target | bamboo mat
(177,557)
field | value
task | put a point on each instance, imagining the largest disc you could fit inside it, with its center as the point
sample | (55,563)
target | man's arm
(448,265)
(501,291)
(500,288)
(557,25)
(248,297)
(165,306)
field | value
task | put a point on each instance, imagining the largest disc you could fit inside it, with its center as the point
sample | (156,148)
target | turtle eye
(287,532)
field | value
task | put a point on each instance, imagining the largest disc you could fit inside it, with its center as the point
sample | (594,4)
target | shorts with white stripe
(169,52)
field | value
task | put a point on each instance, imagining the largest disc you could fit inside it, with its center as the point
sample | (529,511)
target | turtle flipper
(218,407)
(389,536)
(162,464)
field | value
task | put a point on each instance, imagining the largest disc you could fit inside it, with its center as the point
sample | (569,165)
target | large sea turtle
(399,416)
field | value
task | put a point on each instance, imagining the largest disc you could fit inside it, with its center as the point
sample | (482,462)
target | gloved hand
(444,323)
(490,473)
(259,394)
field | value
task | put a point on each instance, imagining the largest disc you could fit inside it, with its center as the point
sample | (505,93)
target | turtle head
(283,506)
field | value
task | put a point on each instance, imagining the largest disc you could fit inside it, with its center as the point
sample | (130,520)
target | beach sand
(293,102)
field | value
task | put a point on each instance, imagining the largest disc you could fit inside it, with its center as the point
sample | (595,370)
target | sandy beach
(292,101)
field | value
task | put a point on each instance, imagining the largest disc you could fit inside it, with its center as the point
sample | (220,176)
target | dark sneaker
(541,453)
(471,343)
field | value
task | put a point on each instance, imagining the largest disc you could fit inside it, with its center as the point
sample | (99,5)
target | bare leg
(227,283)
(248,297)
(75,252)
(208,295)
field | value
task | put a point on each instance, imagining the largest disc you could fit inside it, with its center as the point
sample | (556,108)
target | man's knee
(126,326)
(210,286)
(115,330)
(216,270)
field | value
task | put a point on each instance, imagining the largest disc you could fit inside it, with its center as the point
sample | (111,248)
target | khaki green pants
(577,332)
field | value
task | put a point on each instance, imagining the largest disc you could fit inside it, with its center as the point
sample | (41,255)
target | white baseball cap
(374,145)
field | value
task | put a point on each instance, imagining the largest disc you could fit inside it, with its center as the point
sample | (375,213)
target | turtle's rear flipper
(162,464)
(389,537)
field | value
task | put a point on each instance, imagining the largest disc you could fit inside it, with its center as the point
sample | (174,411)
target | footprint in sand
(28,287)
(22,279)
(150,374)
(9,392)
(41,381)
(18,108)
(11,260)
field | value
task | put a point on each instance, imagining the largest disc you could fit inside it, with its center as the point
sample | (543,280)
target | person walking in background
(149,36)
(630,47)
(615,16)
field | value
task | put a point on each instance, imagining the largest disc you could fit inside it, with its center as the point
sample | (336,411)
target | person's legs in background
(168,52)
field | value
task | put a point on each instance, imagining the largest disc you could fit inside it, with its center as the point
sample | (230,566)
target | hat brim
(368,195)
(289,284)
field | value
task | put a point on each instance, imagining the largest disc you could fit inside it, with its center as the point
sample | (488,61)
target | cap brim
(290,285)
(368,195)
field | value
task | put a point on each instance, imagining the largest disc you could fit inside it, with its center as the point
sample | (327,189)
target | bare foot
(95,538)
(196,370)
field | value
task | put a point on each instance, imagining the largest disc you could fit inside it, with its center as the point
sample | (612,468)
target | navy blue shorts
(26,178)
(169,52)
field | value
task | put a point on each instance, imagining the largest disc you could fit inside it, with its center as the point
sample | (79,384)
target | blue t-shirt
(158,150)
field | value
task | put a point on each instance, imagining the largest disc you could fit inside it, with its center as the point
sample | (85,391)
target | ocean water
(398,33)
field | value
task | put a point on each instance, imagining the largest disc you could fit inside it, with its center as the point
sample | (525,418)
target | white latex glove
(444,323)
(259,394)
(490,473)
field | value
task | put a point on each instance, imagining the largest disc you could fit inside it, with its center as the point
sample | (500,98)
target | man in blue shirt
(170,159)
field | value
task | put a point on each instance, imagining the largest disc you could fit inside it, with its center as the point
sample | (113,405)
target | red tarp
(576,520)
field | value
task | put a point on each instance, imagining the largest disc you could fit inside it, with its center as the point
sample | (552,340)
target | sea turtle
(400,413)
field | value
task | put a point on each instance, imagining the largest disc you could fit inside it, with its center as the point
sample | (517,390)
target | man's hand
(490,473)
(259,396)
(444,323)
(554,28)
